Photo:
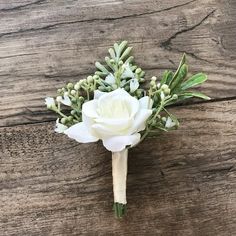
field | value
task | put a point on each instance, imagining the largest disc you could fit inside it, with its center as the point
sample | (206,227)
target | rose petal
(80,133)
(119,94)
(146,102)
(112,127)
(98,94)
(119,143)
(90,108)
(140,119)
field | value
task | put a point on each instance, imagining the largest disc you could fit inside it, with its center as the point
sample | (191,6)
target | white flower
(60,128)
(50,102)
(128,73)
(115,118)
(134,84)
(169,123)
(66,100)
(110,79)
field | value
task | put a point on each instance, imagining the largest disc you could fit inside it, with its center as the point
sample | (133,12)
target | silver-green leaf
(194,81)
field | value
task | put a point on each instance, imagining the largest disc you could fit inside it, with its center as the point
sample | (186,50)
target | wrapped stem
(119,173)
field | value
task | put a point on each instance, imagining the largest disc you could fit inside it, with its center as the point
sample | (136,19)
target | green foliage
(119,70)
(172,88)
(194,81)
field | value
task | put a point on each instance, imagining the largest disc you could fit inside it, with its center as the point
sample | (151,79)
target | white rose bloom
(115,117)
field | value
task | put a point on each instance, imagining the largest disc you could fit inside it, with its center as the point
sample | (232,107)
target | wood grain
(44,44)
(182,183)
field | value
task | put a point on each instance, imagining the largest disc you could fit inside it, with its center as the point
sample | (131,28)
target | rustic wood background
(183,183)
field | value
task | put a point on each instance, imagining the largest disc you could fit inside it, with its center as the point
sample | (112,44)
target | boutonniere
(119,107)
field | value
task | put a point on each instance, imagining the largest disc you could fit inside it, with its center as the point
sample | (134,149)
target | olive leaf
(190,94)
(179,78)
(102,68)
(183,61)
(194,81)
(167,77)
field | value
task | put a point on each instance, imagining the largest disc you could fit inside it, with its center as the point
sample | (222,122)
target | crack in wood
(48,27)
(167,43)
(21,6)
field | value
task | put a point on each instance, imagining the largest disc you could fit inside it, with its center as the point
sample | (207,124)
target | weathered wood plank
(44,44)
(182,183)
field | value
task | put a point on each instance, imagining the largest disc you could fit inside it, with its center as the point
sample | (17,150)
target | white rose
(115,118)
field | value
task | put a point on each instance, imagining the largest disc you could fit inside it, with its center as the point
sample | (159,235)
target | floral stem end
(119,210)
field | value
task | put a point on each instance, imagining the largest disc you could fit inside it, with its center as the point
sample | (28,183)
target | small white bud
(167,91)
(175,96)
(63,120)
(152,83)
(73,92)
(164,86)
(90,79)
(114,86)
(66,94)
(120,63)
(138,70)
(59,98)
(77,86)
(69,85)
(163,119)
(95,77)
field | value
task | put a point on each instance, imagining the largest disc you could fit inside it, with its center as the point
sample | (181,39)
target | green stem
(119,210)
(78,119)
(158,111)
(60,113)
(87,91)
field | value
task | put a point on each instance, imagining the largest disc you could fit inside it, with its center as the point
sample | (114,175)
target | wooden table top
(182,183)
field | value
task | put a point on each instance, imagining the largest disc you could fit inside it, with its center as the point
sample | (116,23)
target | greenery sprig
(120,71)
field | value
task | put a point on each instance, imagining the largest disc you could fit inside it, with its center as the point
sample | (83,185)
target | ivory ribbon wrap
(119,173)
